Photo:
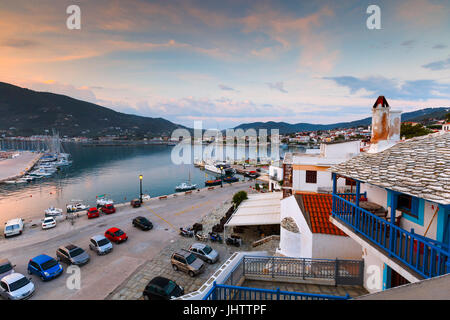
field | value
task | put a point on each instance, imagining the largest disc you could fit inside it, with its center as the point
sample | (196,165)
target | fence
(419,253)
(343,272)
(227,292)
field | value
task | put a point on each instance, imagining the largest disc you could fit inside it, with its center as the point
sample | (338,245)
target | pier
(16,167)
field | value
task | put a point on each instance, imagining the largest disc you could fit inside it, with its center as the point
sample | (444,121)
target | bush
(239,197)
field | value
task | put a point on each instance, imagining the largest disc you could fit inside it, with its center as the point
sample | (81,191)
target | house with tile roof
(307,232)
(400,210)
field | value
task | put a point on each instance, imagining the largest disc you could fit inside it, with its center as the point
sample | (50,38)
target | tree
(239,197)
(447,117)
(409,130)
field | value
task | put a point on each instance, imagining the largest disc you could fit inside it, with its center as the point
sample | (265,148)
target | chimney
(385,126)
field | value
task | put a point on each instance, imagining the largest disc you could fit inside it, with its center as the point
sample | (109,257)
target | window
(311,176)
(408,205)
(350,182)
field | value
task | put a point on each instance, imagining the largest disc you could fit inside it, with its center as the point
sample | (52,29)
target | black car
(160,288)
(142,223)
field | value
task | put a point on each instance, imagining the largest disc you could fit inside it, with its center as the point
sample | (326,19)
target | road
(104,273)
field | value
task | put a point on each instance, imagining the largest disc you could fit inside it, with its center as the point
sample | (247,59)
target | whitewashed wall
(327,246)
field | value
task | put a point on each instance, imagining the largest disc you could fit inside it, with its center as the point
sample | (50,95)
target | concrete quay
(14,168)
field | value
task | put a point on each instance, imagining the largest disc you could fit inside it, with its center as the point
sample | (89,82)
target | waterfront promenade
(18,166)
(103,274)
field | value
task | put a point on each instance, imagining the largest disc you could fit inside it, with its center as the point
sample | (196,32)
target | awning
(258,209)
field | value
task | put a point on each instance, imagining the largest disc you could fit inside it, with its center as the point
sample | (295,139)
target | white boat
(76,206)
(102,201)
(185,186)
(18,181)
(220,168)
(145,197)
(53,212)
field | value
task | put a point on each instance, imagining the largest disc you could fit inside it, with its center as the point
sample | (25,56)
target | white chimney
(385,126)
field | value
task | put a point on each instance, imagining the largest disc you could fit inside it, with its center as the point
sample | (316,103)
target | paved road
(104,273)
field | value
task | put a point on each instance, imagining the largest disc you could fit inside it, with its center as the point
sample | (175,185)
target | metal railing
(417,252)
(343,272)
(227,292)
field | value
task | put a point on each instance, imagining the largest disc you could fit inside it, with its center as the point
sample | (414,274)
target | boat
(185,186)
(76,206)
(216,182)
(18,181)
(230,179)
(220,168)
(145,197)
(103,200)
(53,212)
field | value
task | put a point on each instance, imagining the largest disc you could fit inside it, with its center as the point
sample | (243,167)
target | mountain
(27,112)
(286,128)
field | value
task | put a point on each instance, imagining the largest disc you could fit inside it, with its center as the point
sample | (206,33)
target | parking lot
(101,276)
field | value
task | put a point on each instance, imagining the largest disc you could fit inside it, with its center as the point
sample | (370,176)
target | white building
(411,179)
(306,231)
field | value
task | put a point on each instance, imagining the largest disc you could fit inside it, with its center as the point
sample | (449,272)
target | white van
(13,227)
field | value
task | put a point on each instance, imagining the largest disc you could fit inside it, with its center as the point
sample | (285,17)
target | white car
(16,287)
(100,244)
(48,223)
(13,227)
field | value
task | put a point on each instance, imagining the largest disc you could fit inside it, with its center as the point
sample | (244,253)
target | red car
(108,208)
(116,235)
(93,213)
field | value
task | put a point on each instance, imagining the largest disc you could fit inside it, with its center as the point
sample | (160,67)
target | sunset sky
(231,62)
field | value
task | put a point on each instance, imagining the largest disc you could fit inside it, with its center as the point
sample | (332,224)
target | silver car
(204,252)
(71,254)
(100,244)
(16,287)
(5,268)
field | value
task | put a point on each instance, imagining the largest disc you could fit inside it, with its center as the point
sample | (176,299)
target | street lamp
(221,177)
(140,194)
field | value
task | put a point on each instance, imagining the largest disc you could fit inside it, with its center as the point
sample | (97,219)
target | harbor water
(110,170)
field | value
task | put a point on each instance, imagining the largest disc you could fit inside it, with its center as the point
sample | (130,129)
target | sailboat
(186,186)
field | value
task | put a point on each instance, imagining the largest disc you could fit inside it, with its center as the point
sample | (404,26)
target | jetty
(17,166)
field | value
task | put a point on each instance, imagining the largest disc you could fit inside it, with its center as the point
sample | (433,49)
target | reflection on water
(112,170)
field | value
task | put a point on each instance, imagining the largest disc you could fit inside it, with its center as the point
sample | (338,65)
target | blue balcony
(425,256)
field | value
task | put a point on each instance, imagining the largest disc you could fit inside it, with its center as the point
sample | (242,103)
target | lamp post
(140,183)
(221,177)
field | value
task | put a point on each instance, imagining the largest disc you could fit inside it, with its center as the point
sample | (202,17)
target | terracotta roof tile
(318,207)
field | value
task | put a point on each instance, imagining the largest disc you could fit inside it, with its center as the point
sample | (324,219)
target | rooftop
(419,167)
(316,208)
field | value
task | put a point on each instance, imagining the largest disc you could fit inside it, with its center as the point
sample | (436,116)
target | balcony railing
(225,292)
(424,256)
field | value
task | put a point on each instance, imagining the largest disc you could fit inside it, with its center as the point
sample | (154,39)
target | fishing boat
(216,182)
(230,179)
(103,200)
(145,197)
(53,212)
(186,186)
(76,205)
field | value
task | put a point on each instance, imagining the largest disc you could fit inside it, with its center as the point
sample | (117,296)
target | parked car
(186,261)
(116,235)
(45,267)
(48,223)
(135,203)
(160,288)
(13,227)
(6,268)
(16,287)
(71,254)
(142,223)
(100,244)
(204,252)
(108,208)
(93,213)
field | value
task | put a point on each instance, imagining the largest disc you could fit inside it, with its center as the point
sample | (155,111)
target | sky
(232,62)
